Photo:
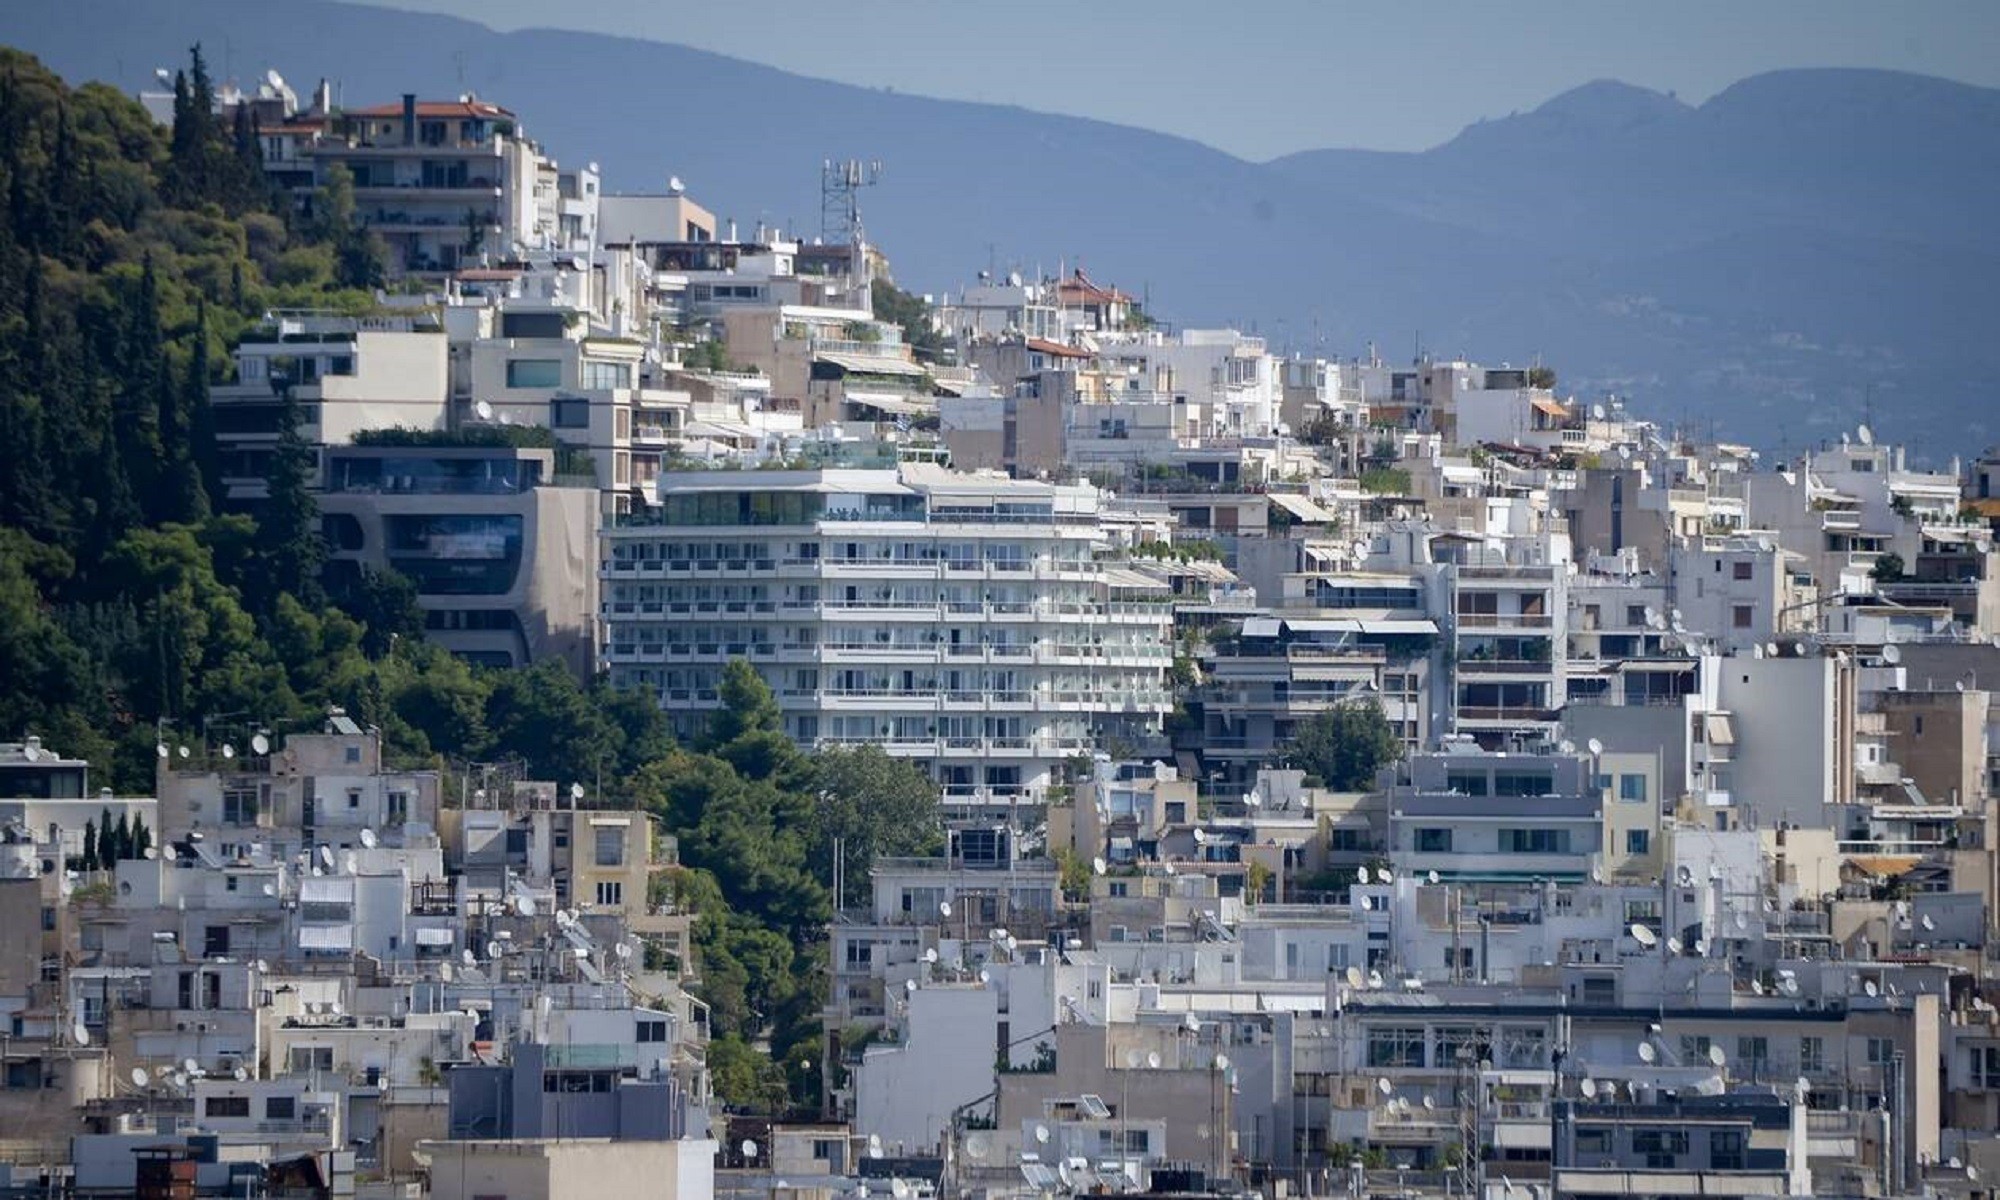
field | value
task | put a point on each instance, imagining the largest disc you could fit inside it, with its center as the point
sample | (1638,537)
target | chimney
(323,98)
(409,118)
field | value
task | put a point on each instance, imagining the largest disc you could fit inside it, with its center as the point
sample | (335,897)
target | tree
(748,730)
(142,838)
(1344,746)
(1887,569)
(121,843)
(1542,377)
(89,845)
(874,805)
(288,535)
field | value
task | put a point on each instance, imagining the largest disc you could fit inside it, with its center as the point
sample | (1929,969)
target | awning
(427,936)
(1119,577)
(870,364)
(1260,627)
(1884,864)
(326,937)
(889,402)
(1543,404)
(1718,729)
(1301,507)
(326,891)
(1391,626)
(1297,625)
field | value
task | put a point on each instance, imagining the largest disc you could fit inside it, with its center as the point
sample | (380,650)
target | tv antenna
(840,185)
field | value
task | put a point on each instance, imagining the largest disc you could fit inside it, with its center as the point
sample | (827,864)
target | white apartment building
(970,622)
(1228,376)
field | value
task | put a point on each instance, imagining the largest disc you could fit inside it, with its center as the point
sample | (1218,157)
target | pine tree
(121,843)
(288,528)
(205,483)
(136,418)
(142,837)
(89,844)
(106,851)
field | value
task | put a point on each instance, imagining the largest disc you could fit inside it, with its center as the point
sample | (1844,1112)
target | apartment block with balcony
(975,624)
(500,550)
(1509,617)
(1496,817)
(347,374)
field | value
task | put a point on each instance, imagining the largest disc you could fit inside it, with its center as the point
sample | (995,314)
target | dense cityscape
(516,689)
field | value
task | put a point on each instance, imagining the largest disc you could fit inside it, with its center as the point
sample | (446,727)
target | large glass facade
(421,475)
(456,555)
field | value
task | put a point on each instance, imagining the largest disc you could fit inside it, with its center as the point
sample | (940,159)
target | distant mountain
(1766,264)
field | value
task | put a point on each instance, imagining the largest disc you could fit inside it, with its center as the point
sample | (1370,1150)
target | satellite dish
(190,1065)
(1098,865)
(1596,747)
(274,79)
(1866,435)
(1789,985)
(1355,979)
(749,1148)
(183,751)
(263,968)
(483,410)
(1892,654)
(260,744)
(1927,923)
(466,956)
(1384,1086)
(1673,945)
(524,906)
(270,889)
(1685,874)
(1868,987)
(931,955)
(228,751)
(1429,1103)
(985,976)
(1714,871)
(1012,943)
(163,75)
(80,1034)
(1432,878)
(1153,1060)
(326,856)
(1382,875)
(492,950)
(1041,1137)
(240,1074)
(444,971)
(1375,979)
(368,838)
(909,985)
(1701,947)
(1200,838)
(1588,1087)
(1222,1062)
(141,1077)
(1644,936)
(977,1146)
(1647,1054)
(1596,873)
(944,908)
(576,791)
(1361,874)
(350,863)
(1566,746)
(1716,1057)
(162,750)
(1757,986)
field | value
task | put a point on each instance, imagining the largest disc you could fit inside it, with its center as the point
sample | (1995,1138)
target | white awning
(326,937)
(889,402)
(326,891)
(1720,731)
(1260,627)
(438,936)
(1119,577)
(870,364)
(1322,626)
(1301,507)
(1388,626)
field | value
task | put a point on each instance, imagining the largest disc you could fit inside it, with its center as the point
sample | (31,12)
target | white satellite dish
(931,955)
(1200,838)
(1685,875)
(263,968)
(749,1148)
(524,906)
(1644,936)
(1355,979)
(623,950)
(1716,1057)
(944,908)
(274,79)
(1866,435)
(1595,746)
(1432,878)
(368,838)
(1375,979)
(1789,985)
(1098,866)
(1588,1087)
(444,971)
(466,956)
(1361,874)
(483,410)
(326,856)
(270,889)
(240,1074)
(183,751)
(909,985)
(576,791)
(1927,923)
(1041,1137)
(492,950)
(1647,1054)
(260,744)
(190,1065)
(1429,1103)
(228,751)
(977,1147)
(1382,875)
(1384,1086)
(350,863)
(985,976)
(1222,1062)
(1153,1060)
(1673,945)
(80,1034)
(141,1077)
(162,750)
(1892,654)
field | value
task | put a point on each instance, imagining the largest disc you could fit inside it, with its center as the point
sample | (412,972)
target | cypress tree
(142,837)
(89,845)
(288,527)
(121,843)
(105,848)
(205,484)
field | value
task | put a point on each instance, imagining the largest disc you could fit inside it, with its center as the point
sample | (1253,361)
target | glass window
(1632,787)
(227,1106)
(534,372)
(1637,841)
(456,555)
(1396,1046)
(610,846)
(1434,841)
(569,412)
(594,375)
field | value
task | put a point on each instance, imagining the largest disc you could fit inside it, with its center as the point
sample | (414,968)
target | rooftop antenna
(840,184)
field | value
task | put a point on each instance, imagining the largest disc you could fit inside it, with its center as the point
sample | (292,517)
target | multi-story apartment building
(346,374)
(500,548)
(972,623)
(1509,617)
(1470,815)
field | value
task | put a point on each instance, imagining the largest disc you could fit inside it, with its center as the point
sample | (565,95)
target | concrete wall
(907,1093)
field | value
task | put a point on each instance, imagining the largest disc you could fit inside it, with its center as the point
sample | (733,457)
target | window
(1662,1148)
(534,373)
(1752,1049)
(1434,841)
(1741,570)
(1632,788)
(354,797)
(1694,1049)
(1881,1051)
(1741,616)
(651,1030)
(48,919)
(239,806)
(398,808)
(1812,1054)
(860,954)
(311,1058)
(1986,1067)
(226,1106)
(610,846)
(1725,1150)
(1638,841)
(353,754)
(280,1108)
(610,892)
(1592,1142)
(598,376)
(569,412)
(1396,1046)
(1534,841)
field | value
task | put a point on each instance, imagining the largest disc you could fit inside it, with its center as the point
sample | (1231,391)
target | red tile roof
(1079,287)
(1056,348)
(469,109)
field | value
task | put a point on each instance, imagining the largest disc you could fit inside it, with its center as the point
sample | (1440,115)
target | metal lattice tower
(840,184)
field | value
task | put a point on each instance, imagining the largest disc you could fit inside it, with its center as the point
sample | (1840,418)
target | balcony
(1473,620)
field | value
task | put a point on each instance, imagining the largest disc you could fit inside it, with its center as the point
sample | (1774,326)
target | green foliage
(1344,746)
(909,312)
(1542,377)
(1191,550)
(876,806)
(1386,481)
(1887,569)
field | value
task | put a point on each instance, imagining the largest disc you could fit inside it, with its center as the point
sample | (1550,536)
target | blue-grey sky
(1260,78)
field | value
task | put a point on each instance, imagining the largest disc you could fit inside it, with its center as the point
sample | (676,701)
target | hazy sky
(1261,78)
